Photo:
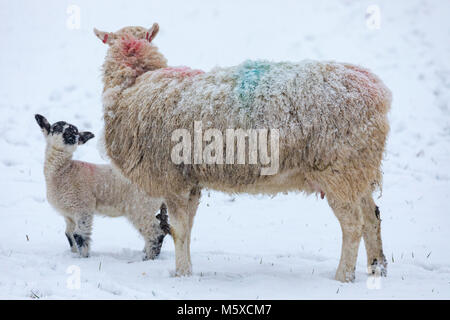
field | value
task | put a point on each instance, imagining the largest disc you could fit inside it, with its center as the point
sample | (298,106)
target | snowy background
(244,246)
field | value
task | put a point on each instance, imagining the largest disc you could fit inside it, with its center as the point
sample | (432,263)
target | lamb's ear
(152,32)
(106,37)
(85,136)
(43,123)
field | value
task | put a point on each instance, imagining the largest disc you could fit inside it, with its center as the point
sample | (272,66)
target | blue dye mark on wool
(248,76)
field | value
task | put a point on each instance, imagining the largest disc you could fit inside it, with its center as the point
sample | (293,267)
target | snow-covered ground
(244,246)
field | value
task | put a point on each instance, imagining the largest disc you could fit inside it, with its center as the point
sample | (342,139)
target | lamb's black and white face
(62,134)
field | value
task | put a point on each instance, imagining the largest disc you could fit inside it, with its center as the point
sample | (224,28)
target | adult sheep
(331,119)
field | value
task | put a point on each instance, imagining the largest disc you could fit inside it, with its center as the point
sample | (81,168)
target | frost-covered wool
(332,119)
(78,189)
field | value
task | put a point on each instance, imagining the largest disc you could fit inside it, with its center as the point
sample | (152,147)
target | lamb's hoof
(378,268)
(345,276)
(151,256)
(84,252)
(82,244)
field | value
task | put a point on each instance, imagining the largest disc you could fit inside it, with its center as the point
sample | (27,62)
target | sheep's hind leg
(350,219)
(70,228)
(82,234)
(376,261)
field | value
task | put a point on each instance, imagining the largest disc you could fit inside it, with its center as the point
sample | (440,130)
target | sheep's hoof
(378,268)
(183,272)
(345,276)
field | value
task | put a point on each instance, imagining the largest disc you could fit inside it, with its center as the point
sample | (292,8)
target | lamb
(78,189)
(331,120)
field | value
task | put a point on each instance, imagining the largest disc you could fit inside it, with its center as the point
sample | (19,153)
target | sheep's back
(326,112)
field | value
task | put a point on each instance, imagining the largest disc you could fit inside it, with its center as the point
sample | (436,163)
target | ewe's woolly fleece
(331,118)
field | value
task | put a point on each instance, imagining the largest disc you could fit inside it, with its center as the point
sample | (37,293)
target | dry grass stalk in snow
(331,117)
(78,189)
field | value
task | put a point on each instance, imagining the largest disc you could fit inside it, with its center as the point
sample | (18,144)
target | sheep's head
(131,51)
(140,33)
(62,135)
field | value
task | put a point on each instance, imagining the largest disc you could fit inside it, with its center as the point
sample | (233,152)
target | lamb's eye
(58,127)
(73,129)
(69,136)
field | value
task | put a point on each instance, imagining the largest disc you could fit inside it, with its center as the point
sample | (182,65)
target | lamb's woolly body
(331,119)
(79,189)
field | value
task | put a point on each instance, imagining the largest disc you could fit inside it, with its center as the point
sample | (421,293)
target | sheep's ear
(85,136)
(43,123)
(106,37)
(152,32)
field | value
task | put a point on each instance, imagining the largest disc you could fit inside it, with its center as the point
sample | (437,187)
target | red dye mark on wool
(180,72)
(132,46)
(88,166)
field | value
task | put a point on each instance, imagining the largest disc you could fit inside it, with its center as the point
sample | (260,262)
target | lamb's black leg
(70,228)
(82,234)
(154,244)
(163,219)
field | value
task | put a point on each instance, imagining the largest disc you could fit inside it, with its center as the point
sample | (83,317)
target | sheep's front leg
(70,228)
(180,233)
(376,261)
(181,214)
(82,234)
(350,219)
(194,201)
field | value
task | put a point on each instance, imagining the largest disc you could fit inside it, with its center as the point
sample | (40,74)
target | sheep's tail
(368,176)
(379,97)
(378,92)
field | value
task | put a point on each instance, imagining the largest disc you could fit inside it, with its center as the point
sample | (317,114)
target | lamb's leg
(376,261)
(154,244)
(82,234)
(70,228)
(350,218)
(181,214)
(153,230)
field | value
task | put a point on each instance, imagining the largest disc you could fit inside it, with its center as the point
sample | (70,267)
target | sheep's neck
(56,160)
(117,73)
